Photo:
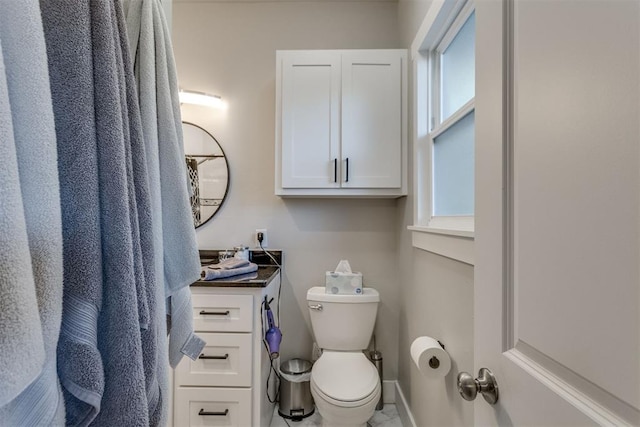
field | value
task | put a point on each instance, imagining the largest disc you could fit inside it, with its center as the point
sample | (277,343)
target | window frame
(450,236)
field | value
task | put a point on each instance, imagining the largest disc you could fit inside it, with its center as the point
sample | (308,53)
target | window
(453,169)
(444,90)
(452,136)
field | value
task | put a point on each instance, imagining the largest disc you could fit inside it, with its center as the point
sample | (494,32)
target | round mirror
(208,172)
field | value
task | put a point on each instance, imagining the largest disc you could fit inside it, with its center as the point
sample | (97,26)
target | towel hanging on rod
(30,225)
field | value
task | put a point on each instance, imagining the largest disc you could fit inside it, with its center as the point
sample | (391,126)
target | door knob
(486,384)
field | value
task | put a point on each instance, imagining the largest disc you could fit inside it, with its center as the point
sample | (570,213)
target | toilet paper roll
(430,358)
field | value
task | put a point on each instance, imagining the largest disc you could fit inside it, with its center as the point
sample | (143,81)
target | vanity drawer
(222,313)
(225,361)
(196,407)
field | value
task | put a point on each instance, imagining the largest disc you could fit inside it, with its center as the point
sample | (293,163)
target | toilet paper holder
(430,356)
(434,363)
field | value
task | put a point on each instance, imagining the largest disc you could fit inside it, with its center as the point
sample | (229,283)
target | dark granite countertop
(267,270)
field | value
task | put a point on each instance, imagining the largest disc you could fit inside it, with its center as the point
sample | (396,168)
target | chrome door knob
(485,384)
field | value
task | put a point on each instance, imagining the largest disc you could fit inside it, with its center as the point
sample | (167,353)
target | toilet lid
(345,376)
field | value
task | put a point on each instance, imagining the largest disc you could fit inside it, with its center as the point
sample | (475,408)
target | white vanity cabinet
(226,385)
(341,123)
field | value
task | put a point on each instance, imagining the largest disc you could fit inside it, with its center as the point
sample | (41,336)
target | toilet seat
(346,379)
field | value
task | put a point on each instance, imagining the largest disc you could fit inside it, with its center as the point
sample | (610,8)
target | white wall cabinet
(341,123)
(226,385)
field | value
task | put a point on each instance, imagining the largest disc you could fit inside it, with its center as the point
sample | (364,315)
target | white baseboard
(403,408)
(389,391)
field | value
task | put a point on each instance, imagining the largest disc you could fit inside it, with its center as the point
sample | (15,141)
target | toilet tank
(342,322)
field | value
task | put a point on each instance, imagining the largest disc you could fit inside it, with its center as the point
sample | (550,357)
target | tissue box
(343,283)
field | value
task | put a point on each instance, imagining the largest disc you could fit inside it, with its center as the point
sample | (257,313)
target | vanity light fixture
(201,98)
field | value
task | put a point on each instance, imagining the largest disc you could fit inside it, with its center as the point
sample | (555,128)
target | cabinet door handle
(214,313)
(335,170)
(218,414)
(202,356)
(347,178)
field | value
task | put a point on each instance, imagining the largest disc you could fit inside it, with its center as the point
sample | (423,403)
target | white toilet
(344,383)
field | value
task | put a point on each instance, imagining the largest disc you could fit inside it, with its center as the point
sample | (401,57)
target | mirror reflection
(208,172)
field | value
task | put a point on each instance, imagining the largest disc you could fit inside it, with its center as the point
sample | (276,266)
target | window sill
(451,243)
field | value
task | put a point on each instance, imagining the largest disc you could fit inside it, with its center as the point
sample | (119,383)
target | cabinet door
(372,119)
(310,120)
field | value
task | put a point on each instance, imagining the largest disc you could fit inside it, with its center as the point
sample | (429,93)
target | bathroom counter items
(267,270)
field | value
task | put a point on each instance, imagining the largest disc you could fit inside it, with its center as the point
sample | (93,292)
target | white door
(372,108)
(557,292)
(310,119)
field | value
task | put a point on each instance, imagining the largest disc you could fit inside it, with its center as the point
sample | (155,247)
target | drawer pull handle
(214,313)
(202,356)
(217,414)
(347,180)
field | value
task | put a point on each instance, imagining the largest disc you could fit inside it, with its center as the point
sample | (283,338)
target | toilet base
(337,416)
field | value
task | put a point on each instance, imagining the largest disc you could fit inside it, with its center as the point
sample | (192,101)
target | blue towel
(120,385)
(240,277)
(229,264)
(137,180)
(182,260)
(182,340)
(177,260)
(119,338)
(135,11)
(27,87)
(154,329)
(209,273)
(140,27)
(67,28)
(20,330)
(150,45)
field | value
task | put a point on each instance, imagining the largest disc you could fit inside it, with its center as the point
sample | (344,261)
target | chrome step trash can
(376,358)
(296,401)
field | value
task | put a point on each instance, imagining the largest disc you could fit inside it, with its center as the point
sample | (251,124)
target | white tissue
(343,267)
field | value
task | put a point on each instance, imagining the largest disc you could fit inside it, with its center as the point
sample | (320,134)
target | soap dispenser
(241,252)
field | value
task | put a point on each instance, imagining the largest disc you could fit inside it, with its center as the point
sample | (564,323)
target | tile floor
(387,417)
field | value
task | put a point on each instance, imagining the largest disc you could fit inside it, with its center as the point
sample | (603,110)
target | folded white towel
(229,264)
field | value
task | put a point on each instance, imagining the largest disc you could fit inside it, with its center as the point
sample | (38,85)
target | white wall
(437,300)
(228,48)
(410,15)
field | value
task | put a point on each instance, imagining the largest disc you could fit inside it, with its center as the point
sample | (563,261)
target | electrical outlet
(264,237)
